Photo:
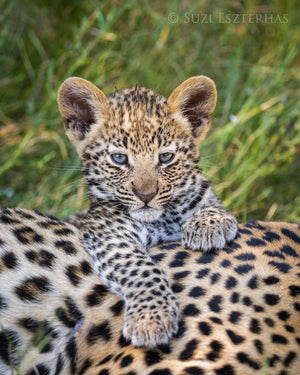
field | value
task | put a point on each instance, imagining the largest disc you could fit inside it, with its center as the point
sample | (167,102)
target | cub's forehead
(137,109)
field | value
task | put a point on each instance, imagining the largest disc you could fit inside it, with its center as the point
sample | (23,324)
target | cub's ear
(83,106)
(192,102)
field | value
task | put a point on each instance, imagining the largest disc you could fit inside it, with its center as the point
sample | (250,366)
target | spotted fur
(239,308)
(139,152)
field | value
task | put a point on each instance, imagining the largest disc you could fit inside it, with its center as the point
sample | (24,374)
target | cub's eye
(119,158)
(166,157)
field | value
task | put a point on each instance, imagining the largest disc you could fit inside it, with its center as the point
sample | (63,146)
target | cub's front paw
(207,232)
(151,320)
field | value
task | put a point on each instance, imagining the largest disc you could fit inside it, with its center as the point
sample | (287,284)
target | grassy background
(252,151)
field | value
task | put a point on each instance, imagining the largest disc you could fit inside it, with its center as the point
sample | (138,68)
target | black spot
(291,235)
(86,268)
(225,263)
(72,308)
(283,315)
(206,258)
(294,290)
(86,364)
(235,316)
(245,231)
(104,372)
(253,282)
(289,251)
(27,235)
(31,288)
(190,310)
(71,350)
(101,331)
(205,328)
(126,361)
(255,326)
(63,316)
(234,337)
(181,329)
(279,339)
(105,360)
(233,246)
(42,257)
(289,328)
(216,348)
(259,346)
(297,306)
(63,231)
(269,322)
(158,257)
(97,295)
(193,370)
(8,220)
(274,254)
(282,267)
(246,256)
(244,358)
(225,370)
(245,268)
(271,361)
(214,303)
(179,259)
(117,308)
(181,275)
(59,364)
(164,371)
(3,304)
(235,297)
(214,278)
(231,282)
(123,342)
(271,280)
(247,301)
(177,288)
(72,274)
(271,299)
(66,246)
(8,345)
(255,242)
(289,358)
(270,236)
(216,320)
(188,352)
(258,308)
(10,260)
(202,273)
(197,291)
(171,246)
(152,357)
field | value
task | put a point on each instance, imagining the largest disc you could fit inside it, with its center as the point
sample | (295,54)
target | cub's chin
(146,214)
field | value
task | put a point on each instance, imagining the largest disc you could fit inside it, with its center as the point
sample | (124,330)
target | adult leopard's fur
(239,308)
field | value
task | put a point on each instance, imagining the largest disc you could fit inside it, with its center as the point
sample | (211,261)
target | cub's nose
(146,198)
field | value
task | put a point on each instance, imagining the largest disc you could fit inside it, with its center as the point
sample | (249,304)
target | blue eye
(166,157)
(119,158)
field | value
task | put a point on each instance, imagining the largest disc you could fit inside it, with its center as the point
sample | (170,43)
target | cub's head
(135,146)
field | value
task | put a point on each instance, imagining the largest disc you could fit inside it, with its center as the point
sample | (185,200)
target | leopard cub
(139,154)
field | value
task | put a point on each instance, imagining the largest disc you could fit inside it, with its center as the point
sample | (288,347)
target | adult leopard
(239,308)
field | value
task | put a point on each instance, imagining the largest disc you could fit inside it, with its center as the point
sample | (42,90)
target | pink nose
(146,198)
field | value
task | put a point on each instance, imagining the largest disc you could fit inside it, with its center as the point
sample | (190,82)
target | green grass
(252,150)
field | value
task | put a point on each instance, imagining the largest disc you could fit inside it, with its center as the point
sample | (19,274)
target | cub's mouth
(146,213)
